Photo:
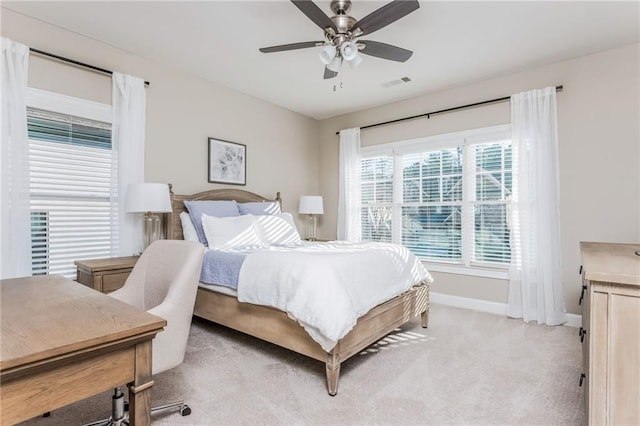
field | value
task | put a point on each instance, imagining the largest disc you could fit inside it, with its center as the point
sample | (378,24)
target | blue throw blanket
(222,268)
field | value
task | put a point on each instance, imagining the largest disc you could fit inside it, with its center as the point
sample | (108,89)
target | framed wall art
(227,162)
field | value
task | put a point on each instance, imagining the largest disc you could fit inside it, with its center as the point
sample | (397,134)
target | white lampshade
(327,54)
(355,62)
(148,197)
(311,204)
(335,64)
(349,50)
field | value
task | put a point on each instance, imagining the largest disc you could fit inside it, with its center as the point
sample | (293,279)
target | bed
(275,326)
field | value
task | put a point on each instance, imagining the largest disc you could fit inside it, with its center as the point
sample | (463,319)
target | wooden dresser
(105,275)
(610,332)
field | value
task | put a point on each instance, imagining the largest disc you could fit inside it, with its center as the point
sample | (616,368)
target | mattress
(219,289)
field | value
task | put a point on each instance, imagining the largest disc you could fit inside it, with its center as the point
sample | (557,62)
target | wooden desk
(63,342)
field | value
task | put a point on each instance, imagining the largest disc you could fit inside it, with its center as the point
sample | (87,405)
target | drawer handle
(584,333)
(582,377)
(584,288)
(580,270)
(580,331)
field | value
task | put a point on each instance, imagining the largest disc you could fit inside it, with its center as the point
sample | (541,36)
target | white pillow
(188,230)
(230,232)
(277,229)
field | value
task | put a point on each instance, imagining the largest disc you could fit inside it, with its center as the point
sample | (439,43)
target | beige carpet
(467,368)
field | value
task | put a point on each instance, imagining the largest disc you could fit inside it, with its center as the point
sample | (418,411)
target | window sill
(501,274)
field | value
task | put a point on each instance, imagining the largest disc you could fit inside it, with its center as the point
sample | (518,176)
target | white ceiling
(453,43)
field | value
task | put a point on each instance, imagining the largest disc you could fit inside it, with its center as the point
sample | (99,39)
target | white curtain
(128,132)
(349,181)
(535,287)
(15,213)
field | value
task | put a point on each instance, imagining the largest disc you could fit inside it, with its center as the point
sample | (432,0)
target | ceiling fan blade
(385,51)
(384,16)
(314,13)
(329,74)
(291,46)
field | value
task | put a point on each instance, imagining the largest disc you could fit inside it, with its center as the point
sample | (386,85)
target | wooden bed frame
(275,326)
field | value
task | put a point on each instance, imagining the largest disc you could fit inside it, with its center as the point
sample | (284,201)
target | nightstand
(105,275)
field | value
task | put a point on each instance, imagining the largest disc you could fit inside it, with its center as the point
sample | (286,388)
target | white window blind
(493,178)
(376,178)
(431,203)
(446,198)
(72,204)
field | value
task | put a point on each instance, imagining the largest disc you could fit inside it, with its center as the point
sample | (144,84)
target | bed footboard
(276,327)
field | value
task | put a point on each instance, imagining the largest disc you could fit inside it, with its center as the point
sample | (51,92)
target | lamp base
(311,228)
(151,228)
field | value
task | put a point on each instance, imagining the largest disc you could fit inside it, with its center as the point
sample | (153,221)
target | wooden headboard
(173,226)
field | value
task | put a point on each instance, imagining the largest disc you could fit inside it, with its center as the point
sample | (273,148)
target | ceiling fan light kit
(355,62)
(342,33)
(327,54)
(335,64)
(349,50)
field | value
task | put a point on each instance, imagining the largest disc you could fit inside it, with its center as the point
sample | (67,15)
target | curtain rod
(76,63)
(443,111)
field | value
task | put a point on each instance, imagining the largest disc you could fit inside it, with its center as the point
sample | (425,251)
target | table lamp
(311,205)
(150,199)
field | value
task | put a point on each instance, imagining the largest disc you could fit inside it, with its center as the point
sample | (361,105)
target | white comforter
(328,286)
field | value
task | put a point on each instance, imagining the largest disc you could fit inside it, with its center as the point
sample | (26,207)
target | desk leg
(140,389)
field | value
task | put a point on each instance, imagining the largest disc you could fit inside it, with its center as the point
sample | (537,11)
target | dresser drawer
(111,282)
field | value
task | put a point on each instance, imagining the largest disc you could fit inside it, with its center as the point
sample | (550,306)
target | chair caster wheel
(126,406)
(185,410)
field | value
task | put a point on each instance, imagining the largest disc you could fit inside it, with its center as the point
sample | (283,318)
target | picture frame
(227,162)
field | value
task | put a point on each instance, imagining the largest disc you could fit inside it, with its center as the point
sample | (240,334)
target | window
(71,187)
(431,205)
(493,178)
(444,197)
(377,198)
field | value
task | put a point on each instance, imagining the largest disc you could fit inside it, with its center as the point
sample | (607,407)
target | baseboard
(487,306)
(574,320)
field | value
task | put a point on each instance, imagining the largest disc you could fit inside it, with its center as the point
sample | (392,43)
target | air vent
(396,82)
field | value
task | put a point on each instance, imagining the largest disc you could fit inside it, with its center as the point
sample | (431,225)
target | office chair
(164,283)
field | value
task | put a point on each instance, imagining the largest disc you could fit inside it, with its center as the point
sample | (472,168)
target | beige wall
(599,133)
(182,112)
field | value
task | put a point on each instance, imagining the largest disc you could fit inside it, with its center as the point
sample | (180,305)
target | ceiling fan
(342,33)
